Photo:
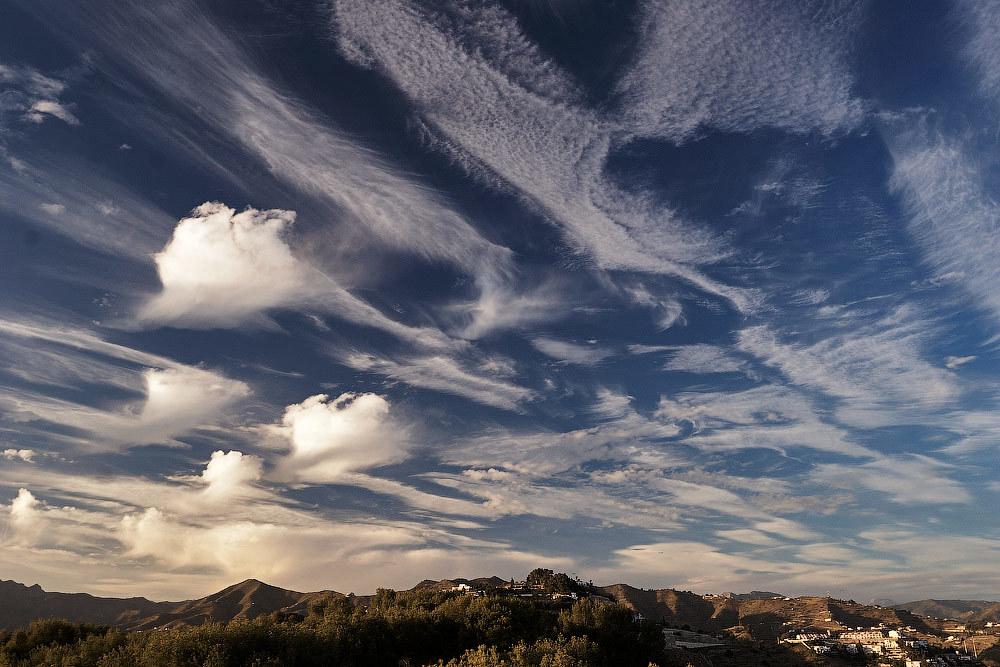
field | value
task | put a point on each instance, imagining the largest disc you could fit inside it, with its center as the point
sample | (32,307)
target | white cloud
(571,353)
(329,438)
(907,480)
(524,132)
(952,213)
(25,455)
(62,193)
(360,190)
(737,67)
(223,269)
(982,43)
(701,358)
(42,108)
(954,362)
(33,95)
(228,475)
(25,519)
(175,398)
(52,209)
(444,374)
(767,417)
(876,370)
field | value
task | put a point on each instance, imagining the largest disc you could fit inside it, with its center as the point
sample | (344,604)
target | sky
(345,294)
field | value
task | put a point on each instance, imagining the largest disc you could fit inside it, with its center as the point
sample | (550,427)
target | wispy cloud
(907,480)
(526,133)
(876,369)
(174,398)
(447,374)
(952,213)
(571,353)
(186,57)
(736,67)
(32,96)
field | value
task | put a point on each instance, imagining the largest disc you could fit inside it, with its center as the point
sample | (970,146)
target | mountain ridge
(761,615)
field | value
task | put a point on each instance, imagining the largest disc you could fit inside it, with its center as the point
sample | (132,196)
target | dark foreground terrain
(548,620)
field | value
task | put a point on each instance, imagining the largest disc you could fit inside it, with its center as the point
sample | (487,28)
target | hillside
(761,616)
(23,604)
(755,616)
(249,599)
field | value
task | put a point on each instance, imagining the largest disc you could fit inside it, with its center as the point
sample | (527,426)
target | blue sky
(347,294)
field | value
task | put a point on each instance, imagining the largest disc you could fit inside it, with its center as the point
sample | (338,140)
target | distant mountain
(245,600)
(23,604)
(759,615)
(958,610)
(249,599)
(762,617)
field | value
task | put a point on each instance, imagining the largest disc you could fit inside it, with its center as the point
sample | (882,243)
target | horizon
(337,294)
(870,601)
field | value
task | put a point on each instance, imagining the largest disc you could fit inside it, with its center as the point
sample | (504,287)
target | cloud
(174,398)
(65,195)
(33,95)
(907,480)
(358,188)
(166,537)
(952,363)
(571,353)
(736,67)
(229,475)
(329,438)
(52,209)
(768,417)
(525,132)
(42,108)
(445,374)
(224,269)
(25,455)
(981,44)
(876,370)
(702,359)
(953,216)
(26,522)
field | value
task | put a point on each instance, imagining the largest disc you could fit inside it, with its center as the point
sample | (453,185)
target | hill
(246,600)
(23,604)
(757,616)
(957,610)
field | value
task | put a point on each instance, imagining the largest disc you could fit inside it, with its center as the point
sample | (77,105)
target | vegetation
(410,628)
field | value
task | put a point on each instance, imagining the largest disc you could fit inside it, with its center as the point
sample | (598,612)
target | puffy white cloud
(23,509)
(228,475)
(329,438)
(26,455)
(223,268)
